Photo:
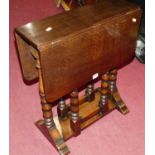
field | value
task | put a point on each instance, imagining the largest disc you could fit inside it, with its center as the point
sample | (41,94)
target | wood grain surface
(82,42)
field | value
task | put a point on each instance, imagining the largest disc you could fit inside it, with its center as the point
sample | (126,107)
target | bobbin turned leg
(49,128)
(62,109)
(104,93)
(74,107)
(89,92)
(115,94)
(47,112)
(112,80)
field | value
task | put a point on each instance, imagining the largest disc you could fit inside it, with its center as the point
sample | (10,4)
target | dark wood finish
(120,105)
(89,113)
(49,128)
(66,52)
(26,59)
(89,92)
(54,137)
(67,23)
(62,109)
(110,34)
(46,107)
(104,93)
(112,79)
(74,107)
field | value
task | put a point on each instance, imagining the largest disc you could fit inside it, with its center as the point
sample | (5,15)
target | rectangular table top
(76,45)
(47,31)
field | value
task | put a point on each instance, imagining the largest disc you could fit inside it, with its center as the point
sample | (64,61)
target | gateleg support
(103,103)
(75,120)
(48,126)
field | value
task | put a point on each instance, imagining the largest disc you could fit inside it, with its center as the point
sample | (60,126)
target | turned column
(104,92)
(112,80)
(62,109)
(89,93)
(74,107)
(46,107)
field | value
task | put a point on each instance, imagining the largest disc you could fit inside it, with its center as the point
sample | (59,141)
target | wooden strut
(71,121)
(50,127)
(82,111)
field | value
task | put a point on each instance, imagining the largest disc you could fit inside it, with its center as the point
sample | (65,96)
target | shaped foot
(120,105)
(54,136)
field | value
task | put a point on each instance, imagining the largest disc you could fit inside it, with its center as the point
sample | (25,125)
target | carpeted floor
(115,134)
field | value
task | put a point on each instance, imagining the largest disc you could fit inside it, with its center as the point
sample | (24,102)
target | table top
(75,46)
(46,32)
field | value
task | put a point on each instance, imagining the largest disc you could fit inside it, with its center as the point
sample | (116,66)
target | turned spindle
(112,80)
(89,92)
(62,109)
(46,107)
(74,107)
(104,92)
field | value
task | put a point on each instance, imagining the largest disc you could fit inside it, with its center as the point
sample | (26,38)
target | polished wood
(89,92)
(89,113)
(120,105)
(104,93)
(46,107)
(74,107)
(106,33)
(112,79)
(54,137)
(28,64)
(62,109)
(74,49)
(50,129)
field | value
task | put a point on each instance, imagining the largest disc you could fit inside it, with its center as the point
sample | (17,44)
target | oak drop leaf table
(72,50)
